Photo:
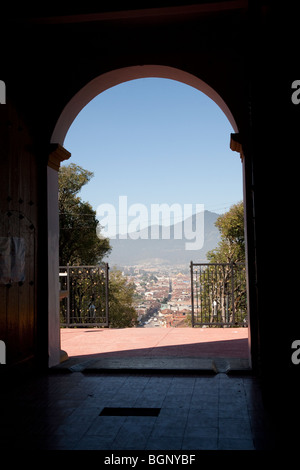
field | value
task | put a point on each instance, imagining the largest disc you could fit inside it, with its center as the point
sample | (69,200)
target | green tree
(219,280)
(78,242)
(122,314)
(231,248)
(81,244)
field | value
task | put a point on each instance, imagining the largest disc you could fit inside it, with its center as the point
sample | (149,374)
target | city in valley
(163,295)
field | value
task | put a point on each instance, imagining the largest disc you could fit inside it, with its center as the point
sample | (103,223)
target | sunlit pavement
(208,349)
(222,342)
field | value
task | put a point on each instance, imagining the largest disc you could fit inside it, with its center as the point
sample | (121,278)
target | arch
(58,154)
(116,77)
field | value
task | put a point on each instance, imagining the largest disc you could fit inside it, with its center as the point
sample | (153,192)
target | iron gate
(84,295)
(218,294)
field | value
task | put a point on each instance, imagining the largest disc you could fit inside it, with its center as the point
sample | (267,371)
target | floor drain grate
(107,411)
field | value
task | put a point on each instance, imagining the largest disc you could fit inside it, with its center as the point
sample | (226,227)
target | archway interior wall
(110,79)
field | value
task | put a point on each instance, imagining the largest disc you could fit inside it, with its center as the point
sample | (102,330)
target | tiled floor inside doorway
(63,411)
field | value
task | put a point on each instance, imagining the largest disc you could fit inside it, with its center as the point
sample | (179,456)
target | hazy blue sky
(156,141)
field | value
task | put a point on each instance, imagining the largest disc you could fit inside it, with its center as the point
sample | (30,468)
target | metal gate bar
(218,294)
(84,295)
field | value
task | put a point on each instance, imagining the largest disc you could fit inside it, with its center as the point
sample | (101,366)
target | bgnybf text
(171,459)
(160,459)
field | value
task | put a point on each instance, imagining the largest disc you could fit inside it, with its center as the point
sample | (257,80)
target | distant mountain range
(147,251)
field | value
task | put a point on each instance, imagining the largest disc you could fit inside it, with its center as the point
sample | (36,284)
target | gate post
(68,298)
(107,293)
(192,293)
(232,293)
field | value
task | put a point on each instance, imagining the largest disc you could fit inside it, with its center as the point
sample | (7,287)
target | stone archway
(59,154)
(118,76)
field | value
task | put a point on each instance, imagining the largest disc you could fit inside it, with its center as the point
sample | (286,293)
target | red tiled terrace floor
(155,342)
